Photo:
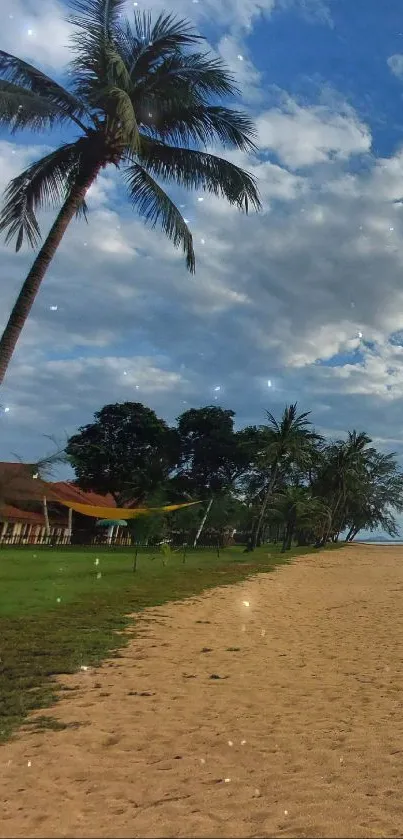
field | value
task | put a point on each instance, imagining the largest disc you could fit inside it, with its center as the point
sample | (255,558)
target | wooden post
(70,525)
(46,517)
(202,523)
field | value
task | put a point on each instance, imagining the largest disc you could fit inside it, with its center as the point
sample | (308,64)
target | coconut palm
(379,490)
(342,475)
(290,441)
(143,101)
(298,511)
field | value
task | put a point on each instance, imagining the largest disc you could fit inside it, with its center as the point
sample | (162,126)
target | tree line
(278,481)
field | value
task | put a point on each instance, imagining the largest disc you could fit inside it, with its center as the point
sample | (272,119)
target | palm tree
(290,441)
(379,490)
(298,511)
(142,102)
(342,475)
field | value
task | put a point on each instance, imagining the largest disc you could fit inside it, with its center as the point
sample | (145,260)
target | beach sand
(283,717)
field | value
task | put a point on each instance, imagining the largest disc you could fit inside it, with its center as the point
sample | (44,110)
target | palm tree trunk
(46,517)
(30,288)
(349,534)
(333,516)
(256,532)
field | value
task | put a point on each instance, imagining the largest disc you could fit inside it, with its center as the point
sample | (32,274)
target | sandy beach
(269,708)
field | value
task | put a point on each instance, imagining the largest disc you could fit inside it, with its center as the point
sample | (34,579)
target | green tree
(213,456)
(128,451)
(342,472)
(379,491)
(299,512)
(292,441)
(142,101)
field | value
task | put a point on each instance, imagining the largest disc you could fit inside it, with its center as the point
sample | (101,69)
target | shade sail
(115,513)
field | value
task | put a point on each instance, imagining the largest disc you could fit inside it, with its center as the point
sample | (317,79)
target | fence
(64,542)
(17,541)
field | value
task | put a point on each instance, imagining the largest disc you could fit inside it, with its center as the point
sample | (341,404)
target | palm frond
(180,124)
(46,182)
(98,62)
(18,72)
(102,15)
(272,422)
(199,170)
(151,42)
(182,72)
(21,108)
(155,206)
(117,104)
(117,69)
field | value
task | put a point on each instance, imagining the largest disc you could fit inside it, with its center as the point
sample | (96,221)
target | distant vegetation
(280,481)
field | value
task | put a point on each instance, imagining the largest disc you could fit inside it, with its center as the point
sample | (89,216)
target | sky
(302,302)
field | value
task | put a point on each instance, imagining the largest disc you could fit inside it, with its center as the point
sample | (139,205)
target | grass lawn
(60,609)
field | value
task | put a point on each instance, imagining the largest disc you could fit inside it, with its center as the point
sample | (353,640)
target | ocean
(386,542)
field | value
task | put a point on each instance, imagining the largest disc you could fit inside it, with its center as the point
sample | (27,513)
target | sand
(299,733)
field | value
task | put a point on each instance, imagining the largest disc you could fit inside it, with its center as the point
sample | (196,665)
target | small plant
(166,552)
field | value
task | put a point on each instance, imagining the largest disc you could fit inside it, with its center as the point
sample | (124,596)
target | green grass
(59,609)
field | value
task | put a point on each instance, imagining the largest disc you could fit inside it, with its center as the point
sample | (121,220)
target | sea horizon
(378,541)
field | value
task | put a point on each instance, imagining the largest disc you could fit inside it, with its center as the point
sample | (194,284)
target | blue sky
(307,295)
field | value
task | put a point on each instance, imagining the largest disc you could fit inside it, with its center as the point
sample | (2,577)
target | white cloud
(395,64)
(316,11)
(240,65)
(304,136)
(15,158)
(240,15)
(274,295)
(235,16)
(37,31)
(379,374)
(40,32)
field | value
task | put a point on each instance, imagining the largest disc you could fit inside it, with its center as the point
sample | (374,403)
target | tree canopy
(281,480)
(127,451)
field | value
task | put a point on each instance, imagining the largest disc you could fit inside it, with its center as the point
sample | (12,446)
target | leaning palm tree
(343,475)
(298,510)
(288,442)
(142,101)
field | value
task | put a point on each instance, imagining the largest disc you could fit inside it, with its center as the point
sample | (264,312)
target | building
(31,512)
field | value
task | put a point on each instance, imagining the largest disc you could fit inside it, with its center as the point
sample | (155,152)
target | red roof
(9,513)
(70,492)
(19,488)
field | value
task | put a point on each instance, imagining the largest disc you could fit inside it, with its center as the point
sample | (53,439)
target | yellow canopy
(116,513)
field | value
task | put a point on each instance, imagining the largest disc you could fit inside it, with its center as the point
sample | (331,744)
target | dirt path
(302,734)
